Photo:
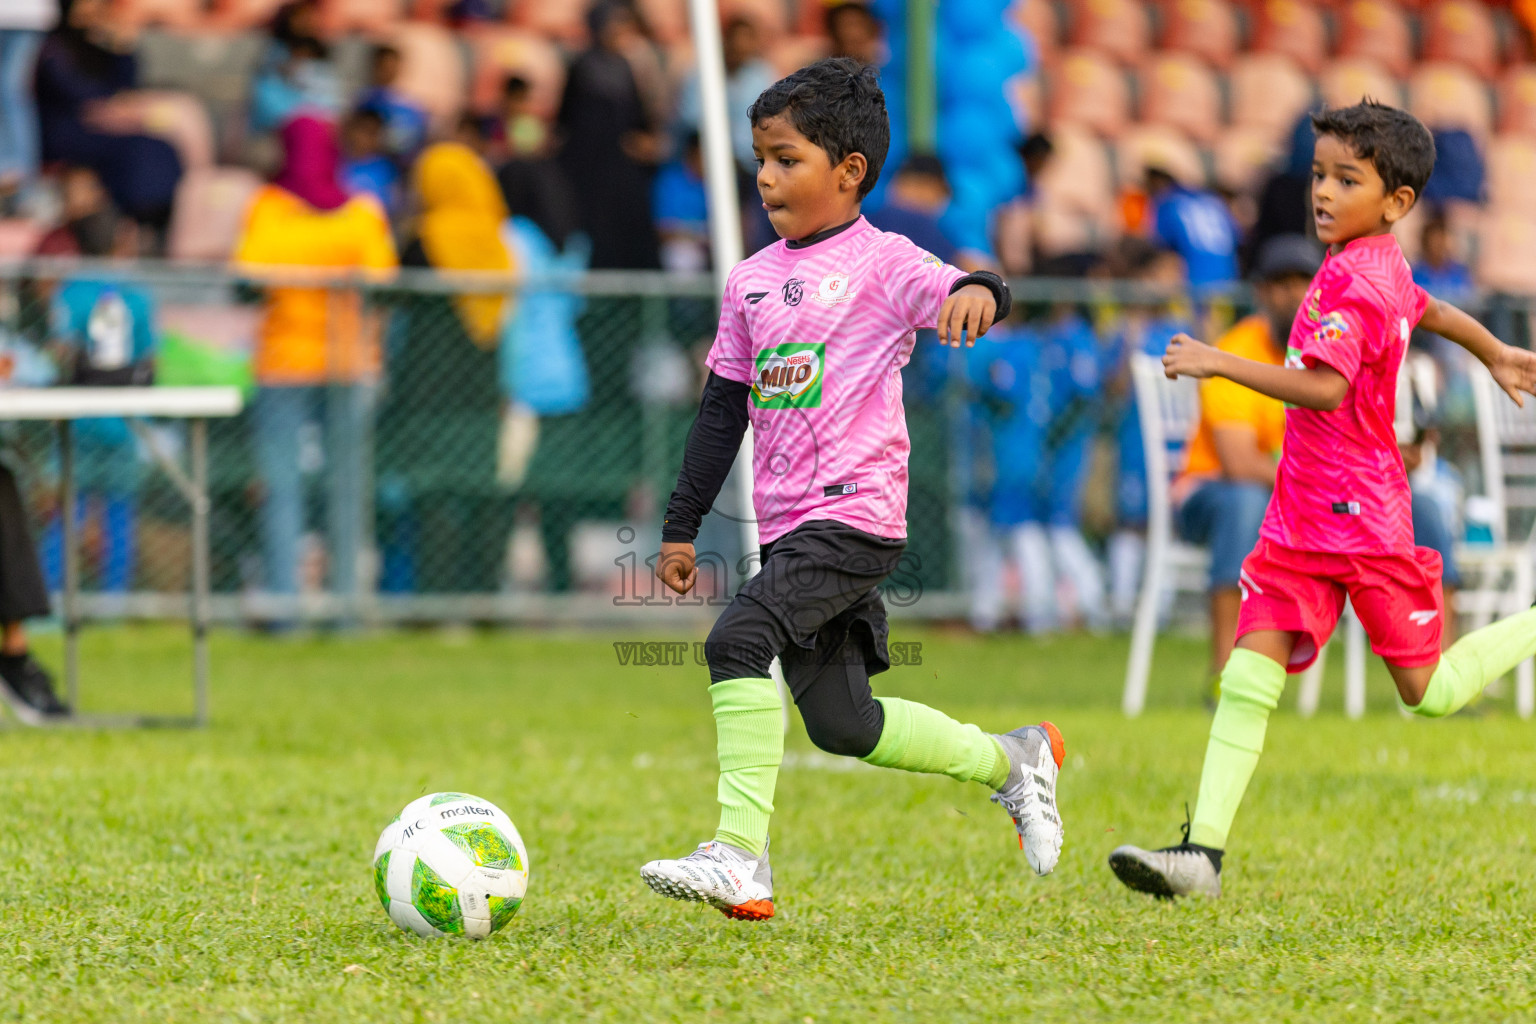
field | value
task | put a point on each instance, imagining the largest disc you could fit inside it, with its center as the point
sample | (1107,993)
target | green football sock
(1250,689)
(749,733)
(1476,660)
(916,738)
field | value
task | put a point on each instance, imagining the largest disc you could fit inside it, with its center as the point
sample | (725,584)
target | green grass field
(1381,869)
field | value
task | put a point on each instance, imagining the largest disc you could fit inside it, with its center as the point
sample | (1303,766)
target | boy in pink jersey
(1340,520)
(813,333)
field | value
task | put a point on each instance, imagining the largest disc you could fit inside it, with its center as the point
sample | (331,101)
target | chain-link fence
(420,469)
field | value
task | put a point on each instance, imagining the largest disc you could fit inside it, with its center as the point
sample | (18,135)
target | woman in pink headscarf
(312,339)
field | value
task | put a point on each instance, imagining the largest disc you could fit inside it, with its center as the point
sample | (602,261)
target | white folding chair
(1169,410)
(1503,570)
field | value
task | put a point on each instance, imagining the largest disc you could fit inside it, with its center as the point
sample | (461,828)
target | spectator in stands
(1041,382)
(316,346)
(1459,173)
(1197,225)
(532,181)
(916,199)
(1013,222)
(85,211)
(1437,270)
(102,328)
(1230,464)
(437,433)
(405,122)
(682,211)
(22,596)
(473,131)
(747,74)
(1438,492)
(296,74)
(518,132)
(22,25)
(367,168)
(1285,201)
(610,145)
(85,65)
(855,32)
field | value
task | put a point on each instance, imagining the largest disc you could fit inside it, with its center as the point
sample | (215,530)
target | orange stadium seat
(1178,89)
(1462,31)
(1507,253)
(500,52)
(769,15)
(209,212)
(1517,100)
(1086,88)
(375,16)
(1241,156)
(431,69)
(1450,96)
(137,14)
(19,237)
(239,14)
(667,19)
(1377,30)
(1511,161)
(794,52)
(1040,19)
(1347,82)
(1119,28)
(1156,145)
(1294,28)
(562,21)
(1076,208)
(1269,92)
(1206,28)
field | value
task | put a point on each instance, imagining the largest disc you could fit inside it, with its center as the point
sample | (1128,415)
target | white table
(197,405)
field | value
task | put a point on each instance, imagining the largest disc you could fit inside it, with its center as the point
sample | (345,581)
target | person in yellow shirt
(1231,459)
(317,351)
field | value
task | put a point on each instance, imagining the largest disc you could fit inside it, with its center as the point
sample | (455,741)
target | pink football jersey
(821,333)
(1341,485)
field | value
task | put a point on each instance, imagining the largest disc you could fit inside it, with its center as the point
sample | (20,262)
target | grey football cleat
(726,877)
(1035,753)
(1183,870)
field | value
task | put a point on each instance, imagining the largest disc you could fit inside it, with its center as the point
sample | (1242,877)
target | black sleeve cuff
(995,284)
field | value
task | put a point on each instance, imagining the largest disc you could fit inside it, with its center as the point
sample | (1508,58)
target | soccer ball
(450,864)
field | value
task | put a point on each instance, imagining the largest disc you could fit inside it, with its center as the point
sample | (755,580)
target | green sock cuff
(1474,661)
(1252,677)
(734,695)
(917,738)
(997,773)
(749,735)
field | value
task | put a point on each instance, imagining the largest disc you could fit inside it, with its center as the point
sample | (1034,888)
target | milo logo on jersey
(789,376)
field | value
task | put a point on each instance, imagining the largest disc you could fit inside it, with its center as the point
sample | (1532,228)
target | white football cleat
(1035,753)
(726,877)
(1182,870)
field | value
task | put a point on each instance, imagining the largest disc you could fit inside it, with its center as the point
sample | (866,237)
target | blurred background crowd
(432,440)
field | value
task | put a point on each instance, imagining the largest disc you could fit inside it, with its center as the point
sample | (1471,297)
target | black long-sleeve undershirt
(713,442)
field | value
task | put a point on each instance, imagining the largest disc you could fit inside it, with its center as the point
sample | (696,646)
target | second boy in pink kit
(813,333)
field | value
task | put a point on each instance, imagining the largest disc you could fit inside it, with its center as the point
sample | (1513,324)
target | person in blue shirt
(296,72)
(367,169)
(918,196)
(1195,224)
(1040,383)
(1437,270)
(682,210)
(405,123)
(103,324)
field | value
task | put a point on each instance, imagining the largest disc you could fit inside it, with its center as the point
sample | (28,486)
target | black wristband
(996,285)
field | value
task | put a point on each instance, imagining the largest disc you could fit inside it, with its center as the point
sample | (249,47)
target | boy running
(1339,521)
(813,333)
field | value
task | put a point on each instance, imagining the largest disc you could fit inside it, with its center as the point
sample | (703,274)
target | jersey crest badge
(834,288)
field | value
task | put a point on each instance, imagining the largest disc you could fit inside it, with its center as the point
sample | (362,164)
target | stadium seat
(1517,100)
(1205,28)
(1242,156)
(209,212)
(139,14)
(563,22)
(19,237)
(1294,28)
(499,52)
(1268,92)
(1076,208)
(1178,89)
(431,68)
(1507,253)
(667,20)
(214,66)
(1377,30)
(1347,82)
(242,14)
(1161,146)
(769,15)
(181,119)
(794,52)
(1462,31)
(1511,163)
(1088,89)
(1119,28)
(1446,95)
(1042,21)
(371,16)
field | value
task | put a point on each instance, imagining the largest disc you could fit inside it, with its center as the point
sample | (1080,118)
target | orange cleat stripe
(1058,744)
(752,910)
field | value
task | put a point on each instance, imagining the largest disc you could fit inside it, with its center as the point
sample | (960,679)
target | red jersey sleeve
(731,354)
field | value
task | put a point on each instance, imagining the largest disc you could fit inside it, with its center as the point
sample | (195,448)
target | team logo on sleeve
(1331,329)
(789,376)
(931,260)
(834,288)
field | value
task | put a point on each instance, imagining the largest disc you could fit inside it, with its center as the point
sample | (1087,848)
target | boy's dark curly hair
(1394,140)
(837,104)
